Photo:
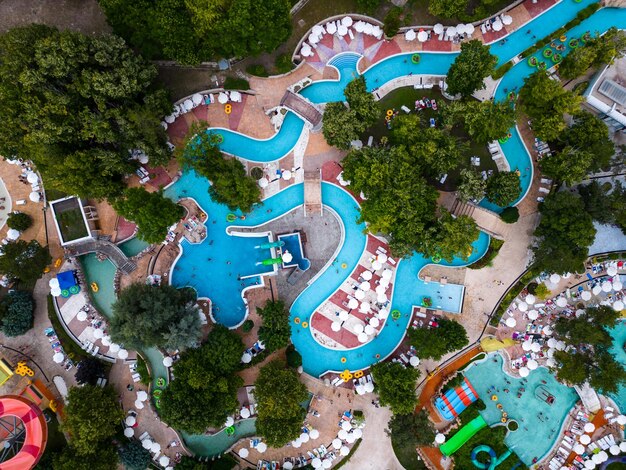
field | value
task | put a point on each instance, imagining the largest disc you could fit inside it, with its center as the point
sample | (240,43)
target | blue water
(325,91)
(617,350)
(534,438)
(133,247)
(293,244)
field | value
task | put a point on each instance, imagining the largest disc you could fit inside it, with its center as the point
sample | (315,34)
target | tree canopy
(163,316)
(19,221)
(484,121)
(564,234)
(453,236)
(192,31)
(230,185)
(569,165)
(24,261)
(88,371)
(503,188)
(103,457)
(276,329)
(472,186)
(16,313)
(605,203)
(134,456)
(447,8)
(434,343)
(76,106)
(152,212)
(279,394)
(545,101)
(92,418)
(204,391)
(411,429)
(596,52)
(395,385)
(589,133)
(470,68)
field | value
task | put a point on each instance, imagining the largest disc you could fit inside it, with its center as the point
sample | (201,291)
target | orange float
(228,108)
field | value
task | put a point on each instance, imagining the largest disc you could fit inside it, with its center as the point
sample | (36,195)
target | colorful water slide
(36,431)
(270,261)
(462,436)
(454,401)
(494,460)
(276,244)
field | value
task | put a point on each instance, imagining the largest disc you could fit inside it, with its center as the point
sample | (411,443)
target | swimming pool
(293,244)
(539,423)
(208,446)
(617,350)
(133,247)
(325,91)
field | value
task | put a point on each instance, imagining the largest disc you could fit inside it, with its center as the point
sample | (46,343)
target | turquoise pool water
(534,437)
(619,338)
(208,446)
(134,246)
(293,244)
(325,91)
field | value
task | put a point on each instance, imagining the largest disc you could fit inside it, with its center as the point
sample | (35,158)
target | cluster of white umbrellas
(421,36)
(451,31)
(33,180)
(55,289)
(340,28)
(362,389)
(347,434)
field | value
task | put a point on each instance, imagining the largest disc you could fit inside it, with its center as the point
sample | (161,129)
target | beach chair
(20,202)
(136,377)
(544,190)
(143,436)
(404,358)
(95,350)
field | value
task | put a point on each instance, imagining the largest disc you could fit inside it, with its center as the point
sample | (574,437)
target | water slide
(454,401)
(494,460)
(270,261)
(276,244)
(462,436)
(34,426)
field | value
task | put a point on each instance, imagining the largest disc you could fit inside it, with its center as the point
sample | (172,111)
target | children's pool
(133,247)
(539,423)
(208,446)
(293,244)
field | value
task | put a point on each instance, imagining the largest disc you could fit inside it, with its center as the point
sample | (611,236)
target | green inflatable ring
(157,393)
(230,430)
(74,289)
(160,382)
(231,217)
(219,138)
(542,65)
(415,58)
(396,314)
(573,43)
(157,403)
(436,259)
(547,53)
(532,61)
(65,293)
(557,58)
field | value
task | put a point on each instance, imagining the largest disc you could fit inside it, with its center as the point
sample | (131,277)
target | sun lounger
(136,377)
(95,350)
(370,140)
(544,190)
(20,202)
(337,382)
(404,358)
(405,109)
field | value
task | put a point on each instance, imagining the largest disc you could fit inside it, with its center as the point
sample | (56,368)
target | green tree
(395,385)
(596,199)
(569,166)
(103,457)
(276,329)
(16,313)
(80,106)
(545,101)
(484,121)
(19,221)
(447,8)
(367,6)
(88,371)
(134,456)
(577,62)
(452,236)
(564,234)
(590,134)
(362,102)
(340,125)
(24,261)
(92,417)
(279,394)
(411,429)
(472,186)
(392,21)
(434,343)
(152,212)
(503,188)
(163,316)
(470,68)
(609,47)
(589,327)
(204,391)
(510,215)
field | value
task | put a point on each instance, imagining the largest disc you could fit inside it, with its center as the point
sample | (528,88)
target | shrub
(256,172)
(142,370)
(283,63)
(257,70)
(492,252)
(232,83)
(510,215)
(247,326)
(19,221)
(500,71)
(542,291)
(294,359)
(532,288)
(16,315)
(392,22)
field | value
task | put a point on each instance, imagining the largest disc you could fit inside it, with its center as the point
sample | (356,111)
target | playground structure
(23,431)
(454,401)
(462,436)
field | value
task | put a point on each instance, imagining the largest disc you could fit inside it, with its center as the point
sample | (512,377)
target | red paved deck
(437,45)
(491,36)
(201,112)
(237,112)
(535,9)
(387,49)
(344,337)
(178,130)
(158,177)
(125,229)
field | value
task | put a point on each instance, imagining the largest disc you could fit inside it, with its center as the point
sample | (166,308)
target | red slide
(35,427)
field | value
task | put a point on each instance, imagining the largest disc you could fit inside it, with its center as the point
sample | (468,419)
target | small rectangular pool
(446,297)
(293,245)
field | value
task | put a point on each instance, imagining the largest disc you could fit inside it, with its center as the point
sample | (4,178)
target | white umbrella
(369,387)
(146,444)
(414,361)
(547,330)
(229,422)
(114,348)
(552,343)
(106,341)
(342,30)
(353,303)
(188,104)
(54,282)
(460,28)
(555,278)
(362,337)
(618,306)
(550,362)
(579,449)
(331,27)
(532,364)
(122,354)
(376,265)
(561,302)
(506,19)
(440,438)
(607,286)
(359,294)
(222,98)
(243,452)
(342,434)
(585,439)
(13,234)
(367,275)
(589,464)
(422,36)
(335,326)
(358,328)
(617,286)
(380,289)
(611,270)
(596,459)
(510,322)
(142,395)
(469,28)
(287,175)
(382,257)
(344,451)
(304,438)
(381,298)
(326,463)
(287,257)
(316,462)
(306,50)
(343,315)
(169,119)
(374,322)
(246,358)
(535,347)
(523,372)
(313,38)
(369,330)
(560,345)
(596,290)
(139,405)
(346,426)
(314,434)
(530,299)
(81,316)
(387,273)
(196,98)
(358,433)
(58,357)
(168,361)
(451,31)
(533,315)
(603,456)
(32,177)
(589,427)
(621,420)
(34,196)
(98,333)
(346,21)
(244,413)
(410,35)
(586,295)
(522,306)
(297,443)
(130,420)
(614,449)
(318,29)
(155,447)
(527,345)
(580,312)
(164,460)
(337,443)
(438,28)
(129,432)
(365,286)
(365,307)
(263,183)
(383,313)
(497,25)
(384,283)
(350,439)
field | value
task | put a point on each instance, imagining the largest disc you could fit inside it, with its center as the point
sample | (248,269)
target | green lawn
(407,96)
(72,224)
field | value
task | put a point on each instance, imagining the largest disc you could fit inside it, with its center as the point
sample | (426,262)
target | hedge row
(513,292)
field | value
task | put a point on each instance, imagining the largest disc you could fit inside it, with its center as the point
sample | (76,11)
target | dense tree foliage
(510,215)
(470,68)
(103,457)
(225,462)
(152,212)
(503,188)
(590,360)
(230,185)
(596,52)
(569,165)
(472,185)
(447,8)
(24,261)
(92,417)
(88,371)
(484,121)
(434,343)
(605,203)
(16,313)
(19,221)
(589,133)
(453,236)
(367,6)
(564,234)
(192,31)
(411,429)
(279,394)
(163,316)
(395,385)
(545,101)
(276,329)
(76,105)
(134,456)
(204,391)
